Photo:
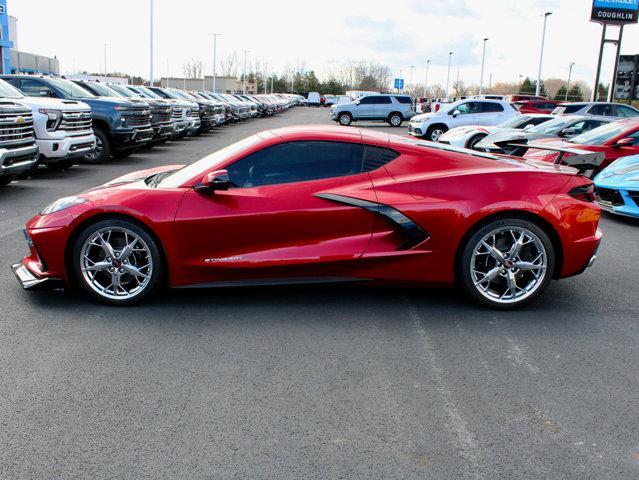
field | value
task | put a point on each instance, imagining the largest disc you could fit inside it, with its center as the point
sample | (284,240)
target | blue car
(617,187)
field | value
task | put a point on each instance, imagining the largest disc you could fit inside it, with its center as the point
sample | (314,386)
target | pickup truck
(119,125)
(62,128)
(18,150)
(190,110)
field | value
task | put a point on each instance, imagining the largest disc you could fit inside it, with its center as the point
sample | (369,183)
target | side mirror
(456,113)
(624,142)
(217,180)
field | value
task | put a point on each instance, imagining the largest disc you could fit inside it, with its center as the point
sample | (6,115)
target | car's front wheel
(345,119)
(395,119)
(102,150)
(436,131)
(507,263)
(117,262)
(472,143)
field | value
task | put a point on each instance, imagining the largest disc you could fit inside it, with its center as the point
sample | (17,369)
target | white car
(458,114)
(313,99)
(329,100)
(469,136)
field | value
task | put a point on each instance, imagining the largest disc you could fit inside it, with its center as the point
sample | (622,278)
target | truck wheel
(102,150)
(395,119)
(345,119)
(6,180)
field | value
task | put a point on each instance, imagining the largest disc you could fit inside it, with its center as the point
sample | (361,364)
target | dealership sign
(615,11)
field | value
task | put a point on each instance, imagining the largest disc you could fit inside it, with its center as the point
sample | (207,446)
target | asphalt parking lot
(314,382)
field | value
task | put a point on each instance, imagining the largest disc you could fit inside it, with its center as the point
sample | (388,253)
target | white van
(313,99)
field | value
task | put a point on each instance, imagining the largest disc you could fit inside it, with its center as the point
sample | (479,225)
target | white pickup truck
(63,128)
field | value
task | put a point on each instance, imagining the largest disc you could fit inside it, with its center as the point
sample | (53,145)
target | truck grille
(16,128)
(138,119)
(162,115)
(195,113)
(76,123)
(176,113)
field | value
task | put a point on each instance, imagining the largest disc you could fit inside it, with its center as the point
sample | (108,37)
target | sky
(321,35)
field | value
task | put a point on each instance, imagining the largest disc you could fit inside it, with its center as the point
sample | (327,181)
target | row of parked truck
(58,122)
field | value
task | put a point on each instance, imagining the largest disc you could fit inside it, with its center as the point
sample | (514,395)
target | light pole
(541,54)
(426,79)
(151,44)
(399,90)
(105,64)
(410,82)
(483,60)
(450,59)
(215,35)
(244,72)
(572,64)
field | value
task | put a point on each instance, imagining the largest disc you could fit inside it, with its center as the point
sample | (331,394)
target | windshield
(600,135)
(8,91)
(125,92)
(209,163)
(70,89)
(103,90)
(515,121)
(145,91)
(552,126)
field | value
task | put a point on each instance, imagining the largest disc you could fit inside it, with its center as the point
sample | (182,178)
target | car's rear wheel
(433,133)
(395,119)
(507,263)
(472,143)
(345,119)
(117,262)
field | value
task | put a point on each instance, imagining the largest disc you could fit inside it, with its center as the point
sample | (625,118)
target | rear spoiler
(583,160)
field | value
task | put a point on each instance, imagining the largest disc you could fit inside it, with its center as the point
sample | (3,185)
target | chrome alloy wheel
(116,263)
(435,134)
(97,150)
(508,264)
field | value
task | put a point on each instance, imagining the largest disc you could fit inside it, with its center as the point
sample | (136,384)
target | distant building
(222,84)
(13,60)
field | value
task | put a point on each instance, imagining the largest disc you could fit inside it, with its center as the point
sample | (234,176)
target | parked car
(514,142)
(465,112)
(119,125)
(162,120)
(422,105)
(321,204)
(603,109)
(469,136)
(18,150)
(615,140)
(536,106)
(329,100)
(617,187)
(522,97)
(393,109)
(313,99)
(62,129)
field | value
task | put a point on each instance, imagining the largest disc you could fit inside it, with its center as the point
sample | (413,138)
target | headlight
(54,118)
(62,203)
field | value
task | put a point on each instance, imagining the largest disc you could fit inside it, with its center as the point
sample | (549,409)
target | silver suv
(393,109)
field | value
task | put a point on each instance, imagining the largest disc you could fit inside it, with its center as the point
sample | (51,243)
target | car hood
(56,104)
(424,116)
(126,181)
(623,173)
(512,136)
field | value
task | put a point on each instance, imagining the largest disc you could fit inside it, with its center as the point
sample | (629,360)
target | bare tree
(229,65)
(460,89)
(193,68)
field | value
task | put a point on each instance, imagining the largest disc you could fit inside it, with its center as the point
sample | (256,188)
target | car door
(365,108)
(272,223)
(613,152)
(468,114)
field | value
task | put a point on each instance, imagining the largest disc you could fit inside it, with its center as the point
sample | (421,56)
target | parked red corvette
(317,204)
(614,140)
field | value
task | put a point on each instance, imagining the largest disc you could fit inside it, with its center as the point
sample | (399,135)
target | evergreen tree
(576,94)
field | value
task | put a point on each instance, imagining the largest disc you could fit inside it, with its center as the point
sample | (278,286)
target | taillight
(585,193)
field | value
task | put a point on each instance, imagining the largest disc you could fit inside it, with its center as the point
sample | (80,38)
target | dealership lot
(314,382)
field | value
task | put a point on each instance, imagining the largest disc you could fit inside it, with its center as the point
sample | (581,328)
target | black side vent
(375,157)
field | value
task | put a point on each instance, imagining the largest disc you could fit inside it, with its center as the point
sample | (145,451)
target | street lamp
(450,59)
(572,64)
(426,79)
(410,82)
(105,63)
(244,72)
(541,54)
(151,44)
(483,60)
(214,35)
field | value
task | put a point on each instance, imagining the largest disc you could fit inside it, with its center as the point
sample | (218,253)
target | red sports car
(536,106)
(614,140)
(322,204)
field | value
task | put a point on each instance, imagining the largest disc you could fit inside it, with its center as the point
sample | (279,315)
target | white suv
(459,114)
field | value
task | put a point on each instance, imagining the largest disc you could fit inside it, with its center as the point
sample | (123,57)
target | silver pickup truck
(18,150)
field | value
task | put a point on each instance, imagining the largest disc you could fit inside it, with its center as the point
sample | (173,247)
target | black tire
(474,141)
(60,165)
(6,180)
(345,119)
(465,275)
(103,148)
(435,131)
(395,119)
(127,152)
(157,273)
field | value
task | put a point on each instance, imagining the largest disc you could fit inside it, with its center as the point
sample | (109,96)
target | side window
(33,88)
(367,101)
(469,108)
(489,107)
(297,162)
(579,127)
(537,120)
(624,111)
(382,100)
(635,138)
(603,109)
(407,100)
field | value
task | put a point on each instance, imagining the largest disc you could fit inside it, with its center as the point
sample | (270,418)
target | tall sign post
(612,12)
